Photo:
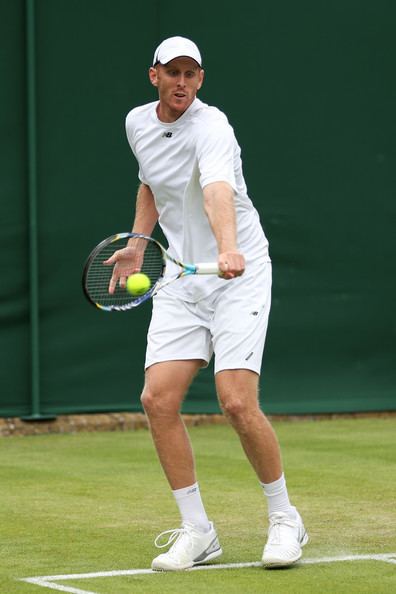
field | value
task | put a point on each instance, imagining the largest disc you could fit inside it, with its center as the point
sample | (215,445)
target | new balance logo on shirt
(167,135)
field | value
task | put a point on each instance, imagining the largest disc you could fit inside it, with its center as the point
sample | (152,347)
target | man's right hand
(231,264)
(127,261)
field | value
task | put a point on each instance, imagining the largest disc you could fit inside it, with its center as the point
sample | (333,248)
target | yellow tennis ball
(138,284)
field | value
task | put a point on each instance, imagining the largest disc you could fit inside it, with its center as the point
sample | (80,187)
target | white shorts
(231,323)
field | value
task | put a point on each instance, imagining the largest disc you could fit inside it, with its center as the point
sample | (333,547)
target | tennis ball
(138,284)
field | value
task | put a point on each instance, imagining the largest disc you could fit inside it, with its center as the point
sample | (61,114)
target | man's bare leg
(164,390)
(238,395)
(165,387)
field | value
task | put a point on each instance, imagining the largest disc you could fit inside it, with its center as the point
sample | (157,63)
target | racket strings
(147,259)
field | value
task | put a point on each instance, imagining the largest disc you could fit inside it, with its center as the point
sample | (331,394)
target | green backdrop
(310,90)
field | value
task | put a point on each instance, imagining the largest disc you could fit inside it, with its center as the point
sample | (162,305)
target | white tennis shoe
(190,547)
(285,539)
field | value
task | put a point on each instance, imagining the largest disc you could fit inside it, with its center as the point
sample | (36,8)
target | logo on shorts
(254,313)
(249,355)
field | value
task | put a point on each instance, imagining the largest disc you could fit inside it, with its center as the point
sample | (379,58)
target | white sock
(191,507)
(277,497)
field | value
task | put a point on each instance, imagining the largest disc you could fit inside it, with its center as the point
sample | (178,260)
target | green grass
(95,502)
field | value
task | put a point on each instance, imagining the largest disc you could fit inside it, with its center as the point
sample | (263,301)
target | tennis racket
(104,282)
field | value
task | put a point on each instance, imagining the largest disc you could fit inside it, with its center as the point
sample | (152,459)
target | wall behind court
(310,91)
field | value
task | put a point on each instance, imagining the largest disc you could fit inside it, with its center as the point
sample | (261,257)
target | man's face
(177,83)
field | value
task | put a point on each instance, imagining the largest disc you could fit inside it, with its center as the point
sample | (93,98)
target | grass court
(92,503)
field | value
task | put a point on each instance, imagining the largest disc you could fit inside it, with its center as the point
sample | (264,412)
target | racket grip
(207,268)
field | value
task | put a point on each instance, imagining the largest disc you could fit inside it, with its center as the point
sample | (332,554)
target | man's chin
(181,104)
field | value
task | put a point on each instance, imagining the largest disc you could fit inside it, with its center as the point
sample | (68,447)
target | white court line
(53,586)
(48,581)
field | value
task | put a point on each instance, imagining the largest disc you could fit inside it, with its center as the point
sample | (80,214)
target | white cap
(176,47)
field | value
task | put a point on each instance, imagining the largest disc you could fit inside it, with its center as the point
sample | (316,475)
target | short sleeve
(129,128)
(215,153)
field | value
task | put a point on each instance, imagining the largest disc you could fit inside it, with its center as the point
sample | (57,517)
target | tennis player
(191,183)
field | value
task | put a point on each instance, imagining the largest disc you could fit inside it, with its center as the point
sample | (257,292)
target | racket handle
(207,268)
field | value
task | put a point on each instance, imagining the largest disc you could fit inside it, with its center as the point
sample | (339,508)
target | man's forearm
(146,214)
(220,210)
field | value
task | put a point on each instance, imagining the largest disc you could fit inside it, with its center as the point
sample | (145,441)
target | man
(192,184)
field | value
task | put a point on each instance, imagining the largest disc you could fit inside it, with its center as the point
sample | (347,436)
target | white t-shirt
(177,160)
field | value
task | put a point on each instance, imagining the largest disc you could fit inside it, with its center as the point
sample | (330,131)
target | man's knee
(233,406)
(160,402)
(239,402)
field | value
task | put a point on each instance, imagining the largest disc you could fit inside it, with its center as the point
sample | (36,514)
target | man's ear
(153,76)
(201,78)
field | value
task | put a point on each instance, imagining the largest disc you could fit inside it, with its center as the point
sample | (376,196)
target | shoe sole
(274,563)
(208,557)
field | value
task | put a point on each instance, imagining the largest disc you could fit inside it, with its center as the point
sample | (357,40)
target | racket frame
(186,270)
